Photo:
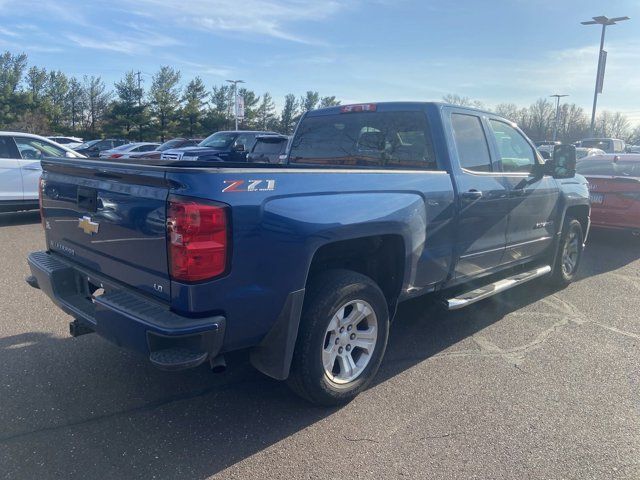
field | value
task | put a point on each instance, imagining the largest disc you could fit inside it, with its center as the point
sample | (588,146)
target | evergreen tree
(36,82)
(164,97)
(329,102)
(194,101)
(96,102)
(57,89)
(309,101)
(128,111)
(266,113)
(75,103)
(289,114)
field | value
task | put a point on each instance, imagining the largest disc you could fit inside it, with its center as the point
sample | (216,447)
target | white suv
(20,155)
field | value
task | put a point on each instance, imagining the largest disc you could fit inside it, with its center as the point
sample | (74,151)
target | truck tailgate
(109,218)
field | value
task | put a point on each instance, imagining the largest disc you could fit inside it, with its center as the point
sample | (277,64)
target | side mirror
(564,161)
(69,154)
(544,154)
(238,148)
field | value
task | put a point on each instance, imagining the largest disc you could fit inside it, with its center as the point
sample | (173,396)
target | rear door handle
(32,167)
(472,194)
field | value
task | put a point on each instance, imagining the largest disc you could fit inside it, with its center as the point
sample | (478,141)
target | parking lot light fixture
(235,98)
(555,125)
(604,21)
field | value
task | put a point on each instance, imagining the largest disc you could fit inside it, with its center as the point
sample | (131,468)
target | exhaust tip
(218,364)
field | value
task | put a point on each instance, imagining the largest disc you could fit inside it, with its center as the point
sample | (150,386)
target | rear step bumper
(126,318)
(487,291)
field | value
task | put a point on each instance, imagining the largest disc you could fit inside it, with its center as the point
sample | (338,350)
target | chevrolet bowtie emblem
(87,226)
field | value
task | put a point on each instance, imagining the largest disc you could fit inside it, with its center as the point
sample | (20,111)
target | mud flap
(274,353)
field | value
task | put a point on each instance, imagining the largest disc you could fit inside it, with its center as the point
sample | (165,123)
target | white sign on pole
(240,107)
(602,64)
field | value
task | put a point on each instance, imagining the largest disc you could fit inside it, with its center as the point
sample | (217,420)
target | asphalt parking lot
(530,384)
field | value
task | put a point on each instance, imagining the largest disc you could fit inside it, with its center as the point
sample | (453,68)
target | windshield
(601,144)
(219,141)
(170,144)
(88,144)
(126,146)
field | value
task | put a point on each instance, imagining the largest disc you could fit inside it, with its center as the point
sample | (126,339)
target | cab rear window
(365,139)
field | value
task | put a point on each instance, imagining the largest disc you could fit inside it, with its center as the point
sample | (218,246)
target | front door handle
(472,194)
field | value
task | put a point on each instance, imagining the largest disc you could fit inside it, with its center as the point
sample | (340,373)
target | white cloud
(256,18)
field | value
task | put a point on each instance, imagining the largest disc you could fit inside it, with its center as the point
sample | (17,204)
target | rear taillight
(197,237)
(40,195)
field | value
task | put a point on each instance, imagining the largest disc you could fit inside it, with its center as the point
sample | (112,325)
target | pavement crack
(360,439)
(445,435)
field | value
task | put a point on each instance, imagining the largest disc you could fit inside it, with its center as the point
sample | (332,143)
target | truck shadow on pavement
(82,408)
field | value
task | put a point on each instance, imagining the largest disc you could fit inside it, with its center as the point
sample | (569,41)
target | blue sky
(495,51)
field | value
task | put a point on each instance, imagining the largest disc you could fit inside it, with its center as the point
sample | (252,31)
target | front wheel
(569,253)
(342,337)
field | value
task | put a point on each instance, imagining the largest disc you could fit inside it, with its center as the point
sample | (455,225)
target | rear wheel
(342,337)
(569,253)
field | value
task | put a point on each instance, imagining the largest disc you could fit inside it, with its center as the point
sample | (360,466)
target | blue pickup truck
(304,263)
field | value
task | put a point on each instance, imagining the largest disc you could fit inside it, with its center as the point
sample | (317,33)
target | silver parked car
(129,148)
(20,170)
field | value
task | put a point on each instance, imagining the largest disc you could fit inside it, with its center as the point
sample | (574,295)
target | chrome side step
(468,298)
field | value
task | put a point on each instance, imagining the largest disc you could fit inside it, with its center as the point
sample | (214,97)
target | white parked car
(127,149)
(20,155)
(69,142)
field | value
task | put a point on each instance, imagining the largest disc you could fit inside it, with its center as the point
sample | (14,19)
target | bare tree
(456,99)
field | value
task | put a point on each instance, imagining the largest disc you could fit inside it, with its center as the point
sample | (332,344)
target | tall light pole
(602,59)
(235,98)
(555,125)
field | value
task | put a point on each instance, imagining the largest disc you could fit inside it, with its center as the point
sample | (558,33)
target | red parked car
(614,184)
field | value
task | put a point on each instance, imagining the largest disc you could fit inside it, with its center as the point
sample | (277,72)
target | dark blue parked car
(232,146)
(305,262)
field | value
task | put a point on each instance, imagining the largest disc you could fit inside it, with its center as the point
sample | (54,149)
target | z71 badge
(249,186)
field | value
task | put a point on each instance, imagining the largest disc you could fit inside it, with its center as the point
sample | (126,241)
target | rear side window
(34,149)
(366,139)
(471,143)
(8,148)
(270,146)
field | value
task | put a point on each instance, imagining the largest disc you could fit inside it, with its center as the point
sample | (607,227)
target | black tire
(562,276)
(326,294)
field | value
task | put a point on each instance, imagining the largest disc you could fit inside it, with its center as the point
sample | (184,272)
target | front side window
(471,143)
(516,154)
(219,140)
(246,140)
(366,139)
(34,149)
